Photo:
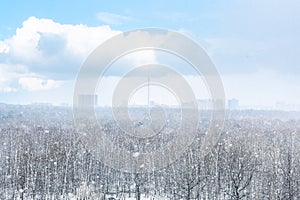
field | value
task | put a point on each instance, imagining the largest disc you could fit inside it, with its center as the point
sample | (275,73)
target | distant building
(233,104)
(87,100)
(281,105)
(209,104)
(205,104)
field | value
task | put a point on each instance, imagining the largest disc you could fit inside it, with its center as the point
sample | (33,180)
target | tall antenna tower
(148,94)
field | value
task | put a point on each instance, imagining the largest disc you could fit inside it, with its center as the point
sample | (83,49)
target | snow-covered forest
(41,157)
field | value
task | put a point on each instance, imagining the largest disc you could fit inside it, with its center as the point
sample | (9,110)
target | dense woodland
(41,157)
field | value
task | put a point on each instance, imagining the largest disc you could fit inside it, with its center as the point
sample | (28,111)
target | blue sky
(77,12)
(254,44)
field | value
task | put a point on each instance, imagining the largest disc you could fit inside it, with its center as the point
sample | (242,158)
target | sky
(254,44)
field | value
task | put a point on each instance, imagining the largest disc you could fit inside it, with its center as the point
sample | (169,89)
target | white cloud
(42,55)
(44,48)
(112,18)
(74,41)
(141,57)
(4,48)
(7,89)
(35,83)
(9,74)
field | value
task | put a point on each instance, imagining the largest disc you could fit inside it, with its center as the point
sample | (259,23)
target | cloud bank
(43,53)
(41,60)
(112,18)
